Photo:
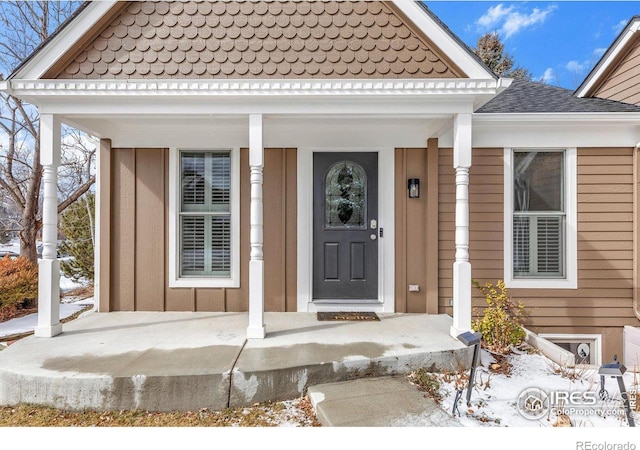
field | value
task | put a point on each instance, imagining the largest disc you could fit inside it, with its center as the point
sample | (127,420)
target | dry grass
(298,413)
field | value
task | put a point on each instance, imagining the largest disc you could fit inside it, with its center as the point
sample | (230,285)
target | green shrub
(77,226)
(18,283)
(501,325)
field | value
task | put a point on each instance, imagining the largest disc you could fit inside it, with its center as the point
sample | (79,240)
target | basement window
(587,348)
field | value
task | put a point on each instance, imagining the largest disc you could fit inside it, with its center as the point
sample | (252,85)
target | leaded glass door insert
(345,226)
(345,196)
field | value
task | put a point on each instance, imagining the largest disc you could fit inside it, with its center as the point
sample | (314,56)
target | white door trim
(386,219)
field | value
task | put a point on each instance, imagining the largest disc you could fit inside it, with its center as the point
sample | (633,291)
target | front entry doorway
(345,227)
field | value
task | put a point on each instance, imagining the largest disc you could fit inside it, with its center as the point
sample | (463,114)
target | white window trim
(175,281)
(570,281)
(596,339)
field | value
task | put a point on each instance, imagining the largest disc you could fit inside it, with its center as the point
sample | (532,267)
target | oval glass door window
(345,196)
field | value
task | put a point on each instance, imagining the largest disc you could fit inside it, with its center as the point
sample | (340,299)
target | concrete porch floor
(183,361)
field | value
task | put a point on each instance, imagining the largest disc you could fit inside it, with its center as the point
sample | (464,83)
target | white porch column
(256,329)
(462,266)
(49,266)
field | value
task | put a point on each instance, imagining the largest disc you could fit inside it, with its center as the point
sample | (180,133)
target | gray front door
(345,226)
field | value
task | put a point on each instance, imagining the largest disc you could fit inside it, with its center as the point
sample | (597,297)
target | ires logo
(534,403)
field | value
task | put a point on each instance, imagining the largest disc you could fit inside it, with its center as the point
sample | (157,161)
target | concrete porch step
(185,361)
(376,402)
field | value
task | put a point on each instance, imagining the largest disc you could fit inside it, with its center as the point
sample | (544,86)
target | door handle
(373,236)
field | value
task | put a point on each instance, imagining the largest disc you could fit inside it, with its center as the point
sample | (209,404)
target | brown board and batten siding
(623,81)
(602,304)
(416,240)
(137,260)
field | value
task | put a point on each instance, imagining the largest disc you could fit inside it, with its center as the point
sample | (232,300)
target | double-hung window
(204,219)
(540,228)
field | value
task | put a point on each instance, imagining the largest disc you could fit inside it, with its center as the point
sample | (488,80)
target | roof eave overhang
(64,39)
(618,48)
(58,93)
(444,39)
(631,118)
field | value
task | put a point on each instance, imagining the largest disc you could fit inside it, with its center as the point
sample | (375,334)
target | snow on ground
(26,324)
(13,246)
(494,399)
(68,305)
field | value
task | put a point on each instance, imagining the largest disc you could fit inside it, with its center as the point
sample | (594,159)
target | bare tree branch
(23,26)
(77,194)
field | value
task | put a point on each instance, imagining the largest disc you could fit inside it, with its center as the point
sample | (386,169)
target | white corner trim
(571,226)
(97,286)
(443,40)
(47,56)
(609,58)
(174,200)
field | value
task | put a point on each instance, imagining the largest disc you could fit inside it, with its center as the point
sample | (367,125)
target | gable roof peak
(445,52)
(618,48)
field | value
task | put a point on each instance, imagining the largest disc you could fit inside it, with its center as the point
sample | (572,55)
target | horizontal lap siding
(605,243)
(623,83)
(139,240)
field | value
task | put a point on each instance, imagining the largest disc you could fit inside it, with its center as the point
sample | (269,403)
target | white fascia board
(443,40)
(190,106)
(47,56)
(540,118)
(424,96)
(609,58)
(555,130)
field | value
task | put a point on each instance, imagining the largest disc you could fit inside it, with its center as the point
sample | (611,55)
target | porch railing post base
(48,299)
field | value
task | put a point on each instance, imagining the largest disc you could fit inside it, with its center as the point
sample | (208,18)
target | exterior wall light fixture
(414,187)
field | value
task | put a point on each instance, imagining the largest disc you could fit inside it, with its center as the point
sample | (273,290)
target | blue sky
(559,41)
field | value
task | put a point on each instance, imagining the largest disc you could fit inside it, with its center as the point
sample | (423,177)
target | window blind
(205,217)
(549,230)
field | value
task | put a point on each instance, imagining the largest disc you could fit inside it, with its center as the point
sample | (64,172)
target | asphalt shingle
(532,97)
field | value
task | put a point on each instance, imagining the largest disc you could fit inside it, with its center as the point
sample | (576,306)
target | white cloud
(548,75)
(509,21)
(493,16)
(516,22)
(575,66)
(620,26)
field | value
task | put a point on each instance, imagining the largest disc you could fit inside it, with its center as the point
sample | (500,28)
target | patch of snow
(27,323)
(67,284)
(494,396)
(11,247)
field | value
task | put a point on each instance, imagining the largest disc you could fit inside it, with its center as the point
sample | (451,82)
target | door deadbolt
(374,224)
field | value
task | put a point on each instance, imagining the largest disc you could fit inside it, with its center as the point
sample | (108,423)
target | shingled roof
(531,97)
